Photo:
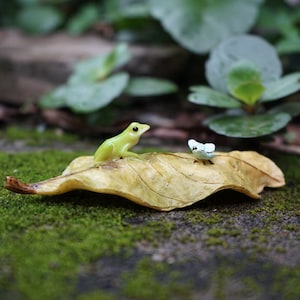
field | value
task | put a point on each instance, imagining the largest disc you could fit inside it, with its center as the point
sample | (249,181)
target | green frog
(118,146)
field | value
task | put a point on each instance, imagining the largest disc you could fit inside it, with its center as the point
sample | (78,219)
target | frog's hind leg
(103,153)
(129,154)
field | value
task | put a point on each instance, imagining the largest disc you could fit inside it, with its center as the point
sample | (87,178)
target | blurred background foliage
(130,19)
(202,27)
(160,21)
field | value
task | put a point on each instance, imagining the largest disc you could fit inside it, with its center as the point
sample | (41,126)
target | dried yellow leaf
(163,181)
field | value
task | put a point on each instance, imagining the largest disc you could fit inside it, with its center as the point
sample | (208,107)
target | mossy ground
(89,246)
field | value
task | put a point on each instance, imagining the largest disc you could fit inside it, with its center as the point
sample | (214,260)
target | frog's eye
(135,129)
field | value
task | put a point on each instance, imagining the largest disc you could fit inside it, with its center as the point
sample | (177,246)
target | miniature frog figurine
(117,147)
(202,151)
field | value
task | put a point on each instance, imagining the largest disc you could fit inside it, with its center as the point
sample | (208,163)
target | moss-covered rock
(83,245)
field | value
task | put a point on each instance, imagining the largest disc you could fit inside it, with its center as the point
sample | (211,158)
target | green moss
(152,280)
(252,285)
(218,232)
(45,240)
(290,166)
(37,137)
(291,227)
(51,244)
(215,231)
(221,278)
(196,217)
(275,282)
(286,283)
(97,295)
(280,250)
(214,241)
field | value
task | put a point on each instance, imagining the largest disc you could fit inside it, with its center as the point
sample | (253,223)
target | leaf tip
(13,184)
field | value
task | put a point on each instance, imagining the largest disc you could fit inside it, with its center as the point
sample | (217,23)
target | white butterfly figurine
(202,151)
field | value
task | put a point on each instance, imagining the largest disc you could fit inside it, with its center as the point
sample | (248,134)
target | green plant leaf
(285,86)
(83,19)
(245,47)
(89,97)
(39,19)
(99,67)
(201,25)
(291,108)
(278,20)
(149,86)
(55,98)
(86,97)
(248,126)
(207,96)
(244,82)
(118,10)
(249,92)
(288,45)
